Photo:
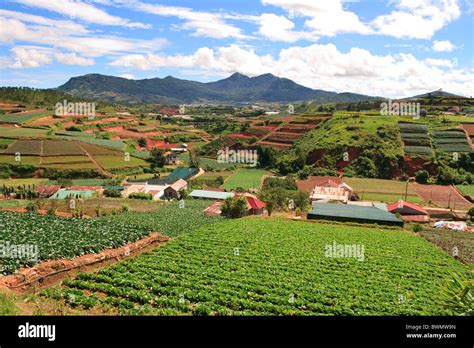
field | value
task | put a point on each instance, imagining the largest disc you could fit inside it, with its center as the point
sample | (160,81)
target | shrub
(422,176)
(417,228)
(140,195)
(234,207)
(112,193)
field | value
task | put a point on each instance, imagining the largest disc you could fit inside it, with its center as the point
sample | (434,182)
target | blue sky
(391,48)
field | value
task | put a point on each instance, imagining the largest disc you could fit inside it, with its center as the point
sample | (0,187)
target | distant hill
(237,88)
(437,94)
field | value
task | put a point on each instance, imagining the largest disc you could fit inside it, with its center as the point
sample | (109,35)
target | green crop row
(274,267)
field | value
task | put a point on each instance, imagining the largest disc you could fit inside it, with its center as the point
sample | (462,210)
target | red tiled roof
(47,190)
(309,184)
(179,184)
(407,208)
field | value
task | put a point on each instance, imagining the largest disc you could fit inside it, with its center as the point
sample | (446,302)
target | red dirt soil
(442,196)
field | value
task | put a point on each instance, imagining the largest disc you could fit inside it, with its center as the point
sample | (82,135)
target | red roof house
(46,191)
(409,211)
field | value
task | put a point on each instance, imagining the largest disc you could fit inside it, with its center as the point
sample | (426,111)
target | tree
(301,200)
(142,142)
(422,176)
(194,159)
(234,207)
(157,159)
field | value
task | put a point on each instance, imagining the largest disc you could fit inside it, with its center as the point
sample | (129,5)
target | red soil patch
(417,163)
(44,121)
(272,144)
(469,128)
(442,196)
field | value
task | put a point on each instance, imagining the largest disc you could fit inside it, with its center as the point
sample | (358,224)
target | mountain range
(236,89)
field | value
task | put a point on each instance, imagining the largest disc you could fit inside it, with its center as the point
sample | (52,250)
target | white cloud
(322,67)
(443,46)
(69,36)
(280,28)
(417,19)
(73,59)
(328,18)
(29,58)
(204,24)
(82,11)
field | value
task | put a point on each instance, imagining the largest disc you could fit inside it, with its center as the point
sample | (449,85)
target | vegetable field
(245,178)
(58,237)
(273,267)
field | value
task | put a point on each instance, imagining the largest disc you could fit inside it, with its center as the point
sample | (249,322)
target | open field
(272,267)
(12,132)
(245,178)
(389,197)
(452,242)
(442,196)
(24,160)
(23,117)
(21,182)
(113,162)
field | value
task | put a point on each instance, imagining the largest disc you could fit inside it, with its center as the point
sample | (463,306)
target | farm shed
(409,211)
(173,191)
(378,205)
(205,194)
(157,191)
(312,181)
(353,213)
(46,191)
(66,193)
(254,205)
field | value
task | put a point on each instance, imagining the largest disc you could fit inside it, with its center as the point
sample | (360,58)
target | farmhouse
(329,190)
(409,211)
(156,191)
(352,213)
(254,205)
(174,190)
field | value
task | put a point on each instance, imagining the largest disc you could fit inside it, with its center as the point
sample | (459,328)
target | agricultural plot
(111,144)
(467,190)
(25,147)
(442,196)
(13,132)
(23,117)
(245,178)
(387,191)
(21,182)
(65,159)
(460,242)
(122,161)
(23,160)
(57,237)
(415,138)
(207,163)
(454,140)
(62,148)
(273,267)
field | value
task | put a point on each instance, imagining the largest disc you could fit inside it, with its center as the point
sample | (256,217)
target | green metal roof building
(353,213)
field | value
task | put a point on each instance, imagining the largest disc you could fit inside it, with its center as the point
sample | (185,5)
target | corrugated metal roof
(352,212)
(211,194)
(62,194)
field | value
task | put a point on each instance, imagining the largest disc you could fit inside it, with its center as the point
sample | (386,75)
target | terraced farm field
(272,267)
(23,117)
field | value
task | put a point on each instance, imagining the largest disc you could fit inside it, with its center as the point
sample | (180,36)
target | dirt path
(101,169)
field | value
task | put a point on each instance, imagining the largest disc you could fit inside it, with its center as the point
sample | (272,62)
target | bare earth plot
(443,196)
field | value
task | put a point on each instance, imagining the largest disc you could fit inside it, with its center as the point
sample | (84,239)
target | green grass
(7,303)
(389,198)
(112,162)
(64,159)
(25,160)
(274,267)
(208,162)
(466,189)
(378,186)
(12,132)
(245,178)
(21,182)
(83,182)
(23,118)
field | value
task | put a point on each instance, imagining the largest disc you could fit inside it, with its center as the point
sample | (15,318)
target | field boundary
(48,273)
